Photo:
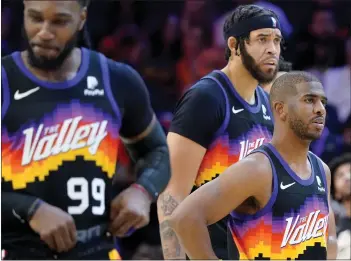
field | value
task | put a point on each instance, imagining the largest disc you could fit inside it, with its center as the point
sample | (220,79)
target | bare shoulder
(256,168)
(260,163)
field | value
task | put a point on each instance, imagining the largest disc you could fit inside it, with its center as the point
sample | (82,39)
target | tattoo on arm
(172,248)
(168,204)
(170,244)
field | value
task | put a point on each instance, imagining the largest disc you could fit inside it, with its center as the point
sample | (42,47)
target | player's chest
(53,108)
(247,134)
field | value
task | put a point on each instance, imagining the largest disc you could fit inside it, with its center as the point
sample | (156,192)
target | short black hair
(285,85)
(334,164)
(242,13)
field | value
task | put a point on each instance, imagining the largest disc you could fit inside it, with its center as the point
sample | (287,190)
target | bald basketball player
(289,186)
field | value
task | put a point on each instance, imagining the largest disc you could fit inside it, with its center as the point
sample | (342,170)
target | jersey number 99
(79,189)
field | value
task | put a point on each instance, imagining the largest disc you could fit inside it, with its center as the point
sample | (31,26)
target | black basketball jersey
(244,128)
(293,224)
(60,141)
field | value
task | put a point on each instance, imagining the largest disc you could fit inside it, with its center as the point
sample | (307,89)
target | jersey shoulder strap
(222,84)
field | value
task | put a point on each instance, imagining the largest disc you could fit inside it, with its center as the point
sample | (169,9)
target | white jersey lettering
(300,229)
(70,137)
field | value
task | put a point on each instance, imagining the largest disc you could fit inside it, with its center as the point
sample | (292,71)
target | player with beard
(65,111)
(290,186)
(222,118)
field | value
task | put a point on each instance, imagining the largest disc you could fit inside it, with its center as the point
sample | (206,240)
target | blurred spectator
(340,169)
(166,40)
(319,46)
(126,45)
(208,60)
(337,83)
(193,44)
(347,135)
(199,12)
(159,71)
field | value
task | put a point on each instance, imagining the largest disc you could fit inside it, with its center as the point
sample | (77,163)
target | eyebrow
(269,34)
(311,95)
(62,15)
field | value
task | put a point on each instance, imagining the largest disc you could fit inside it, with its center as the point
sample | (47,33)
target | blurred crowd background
(173,43)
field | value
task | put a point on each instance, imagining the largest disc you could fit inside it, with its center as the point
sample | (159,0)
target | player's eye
(309,100)
(277,41)
(60,22)
(262,40)
(35,18)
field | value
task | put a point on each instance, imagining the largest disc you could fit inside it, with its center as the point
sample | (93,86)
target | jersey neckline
(83,68)
(293,175)
(253,108)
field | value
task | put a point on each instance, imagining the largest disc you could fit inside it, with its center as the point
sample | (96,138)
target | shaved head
(286,85)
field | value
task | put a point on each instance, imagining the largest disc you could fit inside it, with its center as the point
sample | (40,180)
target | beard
(250,65)
(300,128)
(50,64)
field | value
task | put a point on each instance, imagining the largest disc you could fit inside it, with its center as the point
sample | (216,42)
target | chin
(314,136)
(45,57)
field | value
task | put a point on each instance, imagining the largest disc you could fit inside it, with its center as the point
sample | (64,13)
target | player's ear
(83,17)
(232,43)
(279,109)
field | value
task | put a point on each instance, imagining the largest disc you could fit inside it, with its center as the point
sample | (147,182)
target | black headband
(251,24)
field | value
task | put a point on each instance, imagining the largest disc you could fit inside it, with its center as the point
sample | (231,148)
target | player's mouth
(45,50)
(271,63)
(319,122)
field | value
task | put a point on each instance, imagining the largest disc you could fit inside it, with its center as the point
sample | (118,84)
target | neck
(65,72)
(242,80)
(293,149)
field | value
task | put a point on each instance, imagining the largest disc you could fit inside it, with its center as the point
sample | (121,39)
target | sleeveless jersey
(293,224)
(244,128)
(60,141)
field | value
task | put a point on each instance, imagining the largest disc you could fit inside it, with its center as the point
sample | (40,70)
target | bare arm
(332,247)
(184,170)
(199,114)
(217,199)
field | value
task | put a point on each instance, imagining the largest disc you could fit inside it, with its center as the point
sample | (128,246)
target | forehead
(314,88)
(266,31)
(52,7)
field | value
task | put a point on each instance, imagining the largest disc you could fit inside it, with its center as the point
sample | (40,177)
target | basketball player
(64,111)
(222,117)
(288,186)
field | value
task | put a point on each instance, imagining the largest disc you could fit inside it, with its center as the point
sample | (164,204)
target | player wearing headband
(222,118)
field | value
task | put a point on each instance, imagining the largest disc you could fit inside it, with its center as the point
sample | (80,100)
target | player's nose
(319,108)
(272,48)
(45,33)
